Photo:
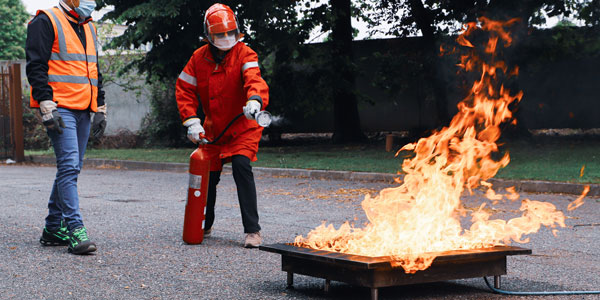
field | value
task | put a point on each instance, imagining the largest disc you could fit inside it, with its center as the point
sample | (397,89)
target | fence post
(16,111)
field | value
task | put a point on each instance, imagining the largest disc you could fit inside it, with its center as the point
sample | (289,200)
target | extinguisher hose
(499,291)
(225,130)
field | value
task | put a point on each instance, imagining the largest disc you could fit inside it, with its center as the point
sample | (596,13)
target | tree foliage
(13,19)
(277,30)
(174,29)
(589,11)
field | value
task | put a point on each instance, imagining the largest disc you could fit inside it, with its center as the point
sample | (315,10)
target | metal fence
(11,113)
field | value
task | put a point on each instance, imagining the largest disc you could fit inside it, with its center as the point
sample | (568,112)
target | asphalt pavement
(136,219)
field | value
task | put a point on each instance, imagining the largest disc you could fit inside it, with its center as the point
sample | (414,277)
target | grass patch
(554,162)
(557,161)
(152,155)
(351,158)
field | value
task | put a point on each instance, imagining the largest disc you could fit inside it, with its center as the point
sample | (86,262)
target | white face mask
(225,43)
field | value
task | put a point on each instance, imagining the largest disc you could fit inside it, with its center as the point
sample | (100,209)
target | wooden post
(16,112)
(389,142)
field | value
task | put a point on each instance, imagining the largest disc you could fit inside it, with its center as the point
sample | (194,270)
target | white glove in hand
(195,129)
(50,116)
(252,107)
(47,106)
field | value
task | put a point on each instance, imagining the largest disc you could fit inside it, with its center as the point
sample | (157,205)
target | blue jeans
(69,148)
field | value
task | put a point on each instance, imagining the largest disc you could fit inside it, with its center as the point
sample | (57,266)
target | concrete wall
(126,109)
(564,93)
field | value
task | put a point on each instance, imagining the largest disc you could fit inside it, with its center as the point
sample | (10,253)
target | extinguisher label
(195,181)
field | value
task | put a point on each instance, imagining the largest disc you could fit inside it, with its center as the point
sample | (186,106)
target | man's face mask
(85,9)
(226,41)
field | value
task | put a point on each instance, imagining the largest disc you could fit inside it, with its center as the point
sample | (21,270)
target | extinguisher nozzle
(263,118)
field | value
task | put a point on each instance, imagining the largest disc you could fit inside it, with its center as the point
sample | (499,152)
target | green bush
(162,126)
(34,133)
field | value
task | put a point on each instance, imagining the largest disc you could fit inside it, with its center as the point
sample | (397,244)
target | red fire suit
(223,89)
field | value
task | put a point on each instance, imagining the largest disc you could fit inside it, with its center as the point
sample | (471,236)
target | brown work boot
(253,240)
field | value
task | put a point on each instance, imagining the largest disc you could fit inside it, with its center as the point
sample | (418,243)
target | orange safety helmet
(221,27)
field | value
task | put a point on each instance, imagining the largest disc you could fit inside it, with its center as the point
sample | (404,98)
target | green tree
(13,19)
(346,119)
(277,30)
(175,30)
(589,11)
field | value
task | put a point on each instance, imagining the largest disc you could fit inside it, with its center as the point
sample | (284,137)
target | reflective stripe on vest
(72,68)
(62,45)
(72,79)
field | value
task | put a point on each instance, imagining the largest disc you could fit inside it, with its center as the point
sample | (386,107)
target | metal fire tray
(376,272)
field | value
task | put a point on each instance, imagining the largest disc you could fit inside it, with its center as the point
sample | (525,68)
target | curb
(529,186)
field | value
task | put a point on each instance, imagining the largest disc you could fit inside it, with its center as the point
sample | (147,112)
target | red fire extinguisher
(195,207)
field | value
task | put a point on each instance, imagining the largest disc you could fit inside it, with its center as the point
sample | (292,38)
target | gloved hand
(99,122)
(195,130)
(50,116)
(252,107)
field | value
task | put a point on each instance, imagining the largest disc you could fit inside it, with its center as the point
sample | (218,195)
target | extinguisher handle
(203,139)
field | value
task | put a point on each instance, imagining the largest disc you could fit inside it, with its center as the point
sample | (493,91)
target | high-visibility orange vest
(72,70)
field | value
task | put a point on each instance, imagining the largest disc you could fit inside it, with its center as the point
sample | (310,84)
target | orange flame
(512,193)
(579,201)
(423,214)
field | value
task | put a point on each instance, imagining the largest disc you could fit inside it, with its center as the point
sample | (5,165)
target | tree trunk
(432,63)
(346,118)
(504,11)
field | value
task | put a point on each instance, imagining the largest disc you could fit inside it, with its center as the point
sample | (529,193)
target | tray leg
(327,285)
(374,293)
(290,280)
(497,281)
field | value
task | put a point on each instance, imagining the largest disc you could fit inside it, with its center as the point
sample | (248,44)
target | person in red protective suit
(224,75)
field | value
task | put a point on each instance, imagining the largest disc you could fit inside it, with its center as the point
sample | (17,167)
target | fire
(423,215)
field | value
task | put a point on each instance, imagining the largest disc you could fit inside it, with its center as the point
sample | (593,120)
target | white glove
(195,129)
(252,107)
(50,116)
(47,106)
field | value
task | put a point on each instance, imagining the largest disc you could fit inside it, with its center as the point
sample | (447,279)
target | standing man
(225,76)
(66,85)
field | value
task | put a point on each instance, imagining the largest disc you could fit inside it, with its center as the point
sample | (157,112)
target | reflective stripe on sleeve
(188,78)
(250,64)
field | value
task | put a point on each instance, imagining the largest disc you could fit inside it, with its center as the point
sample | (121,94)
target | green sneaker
(79,243)
(57,237)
